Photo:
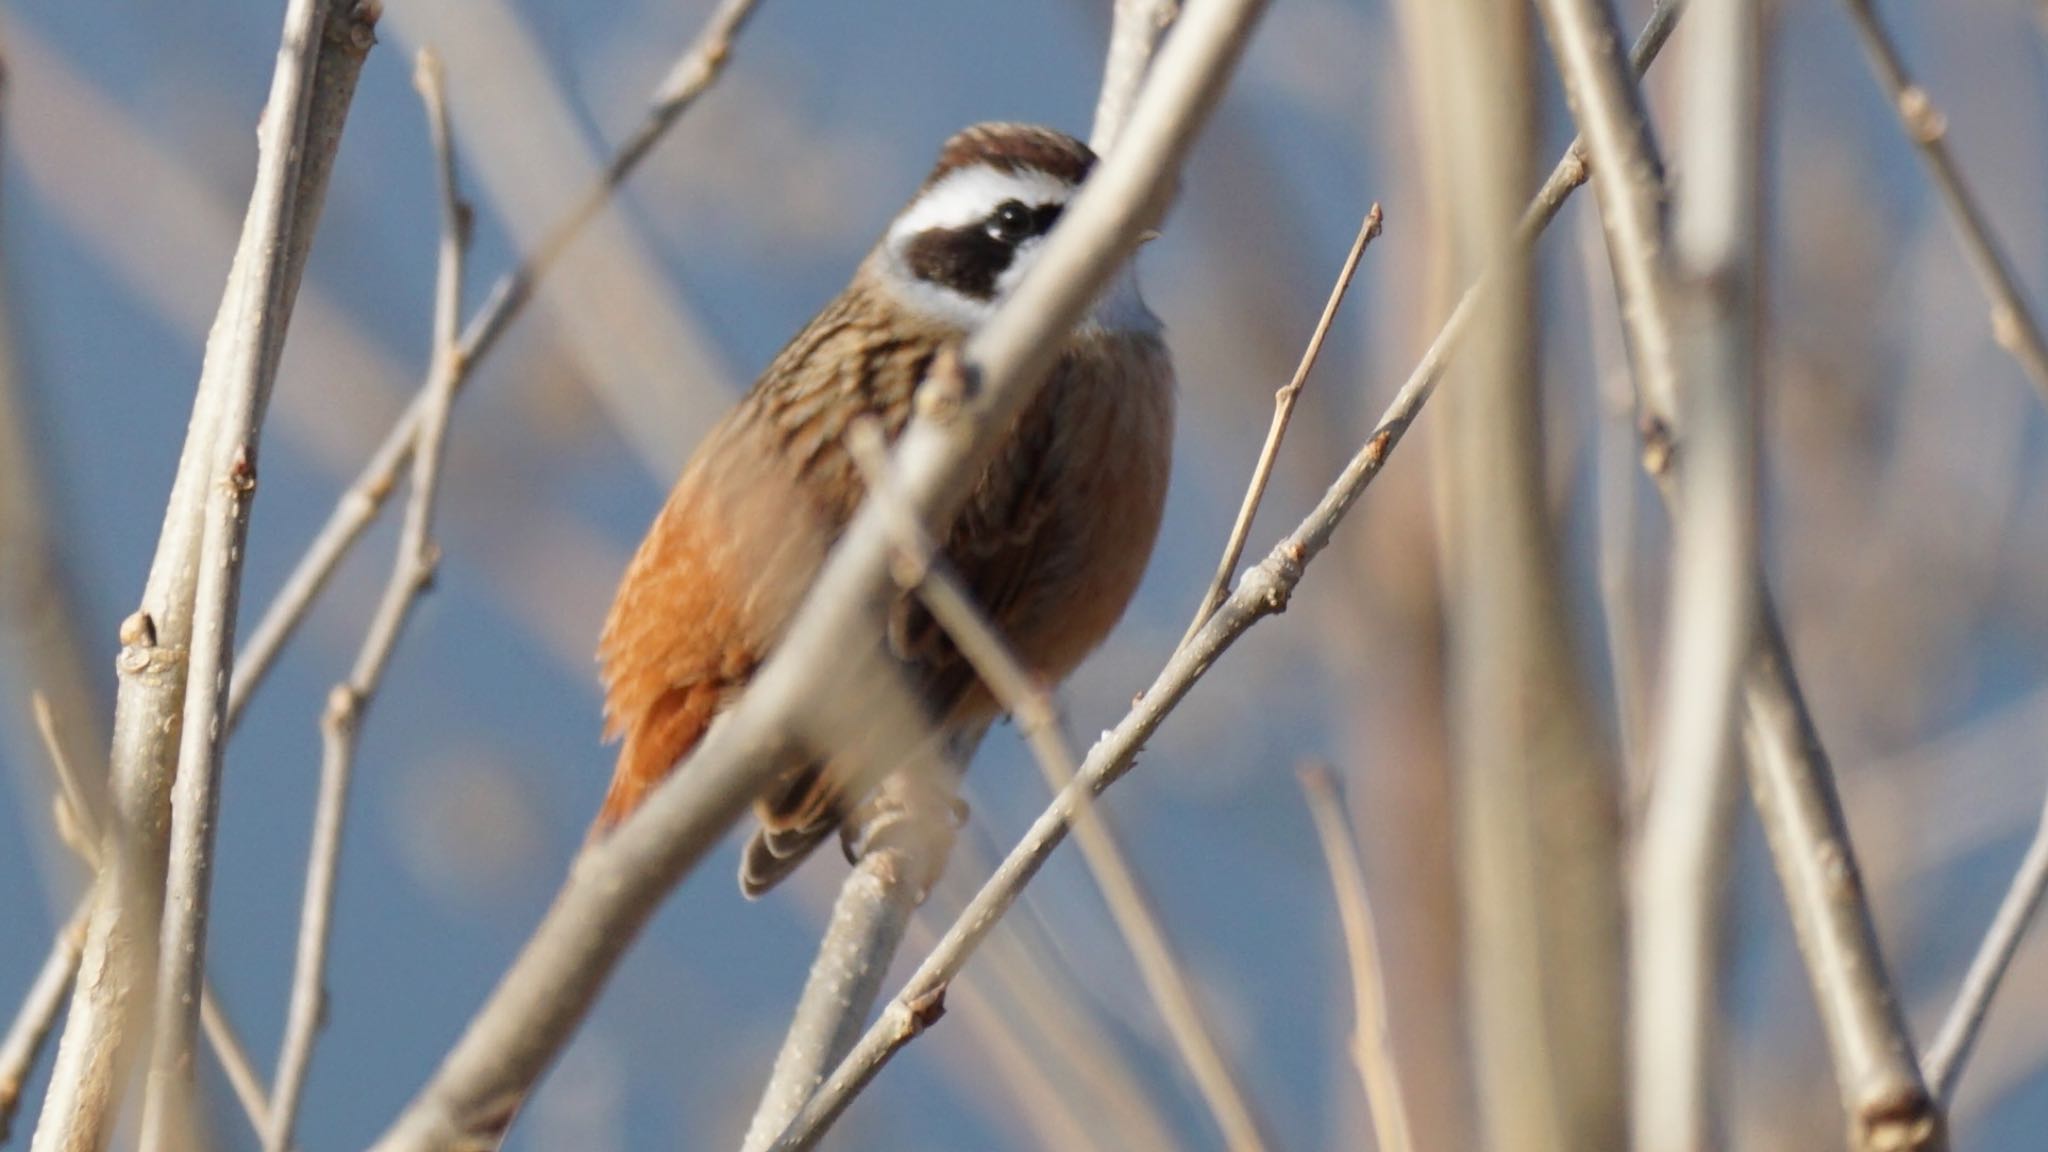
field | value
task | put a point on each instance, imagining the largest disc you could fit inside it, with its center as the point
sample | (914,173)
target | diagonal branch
(1284,400)
(2012,322)
(1031,707)
(1952,1045)
(412,572)
(1371,1047)
(38,1016)
(693,73)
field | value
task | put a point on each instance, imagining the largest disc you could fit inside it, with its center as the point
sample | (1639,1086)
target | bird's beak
(1147,236)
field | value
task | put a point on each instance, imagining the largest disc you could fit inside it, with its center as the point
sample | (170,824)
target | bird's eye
(1010,222)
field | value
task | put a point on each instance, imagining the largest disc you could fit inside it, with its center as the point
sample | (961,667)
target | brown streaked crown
(1011,147)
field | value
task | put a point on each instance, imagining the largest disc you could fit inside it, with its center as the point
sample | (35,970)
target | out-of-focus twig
(1617,478)
(693,73)
(42,649)
(1284,400)
(922,569)
(1883,1097)
(1135,29)
(412,572)
(1372,1047)
(2012,321)
(1952,1045)
(243,1079)
(1686,848)
(83,832)
(1537,845)
(38,1016)
(834,640)
(185,626)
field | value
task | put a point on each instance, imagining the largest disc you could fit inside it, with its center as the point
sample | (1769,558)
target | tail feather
(653,745)
(771,856)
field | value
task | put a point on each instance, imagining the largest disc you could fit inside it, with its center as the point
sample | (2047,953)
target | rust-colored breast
(742,536)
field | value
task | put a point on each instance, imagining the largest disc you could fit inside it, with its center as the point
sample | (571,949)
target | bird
(1051,541)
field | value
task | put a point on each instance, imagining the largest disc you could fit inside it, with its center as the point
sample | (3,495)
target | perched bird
(1051,541)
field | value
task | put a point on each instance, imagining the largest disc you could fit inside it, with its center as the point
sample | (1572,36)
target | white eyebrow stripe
(969,195)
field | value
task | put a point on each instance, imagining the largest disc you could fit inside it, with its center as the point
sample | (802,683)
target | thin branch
(82,831)
(38,1016)
(1686,848)
(243,1078)
(1628,179)
(243,352)
(1135,29)
(693,73)
(79,803)
(924,570)
(412,572)
(834,641)
(1284,400)
(905,836)
(1952,1045)
(1617,477)
(183,630)
(2012,322)
(1883,1097)
(1371,1040)
(1886,1101)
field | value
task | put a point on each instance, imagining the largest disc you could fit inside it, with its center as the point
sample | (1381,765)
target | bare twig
(1686,847)
(79,799)
(2012,322)
(1031,707)
(243,1079)
(241,368)
(961,411)
(1886,1101)
(1617,477)
(693,73)
(411,573)
(1135,29)
(1371,1044)
(182,631)
(1883,1097)
(42,648)
(1628,179)
(905,837)
(1284,400)
(1952,1045)
(38,1016)
(1539,859)
(83,832)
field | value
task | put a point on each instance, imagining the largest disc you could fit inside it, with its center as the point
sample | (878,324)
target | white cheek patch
(932,302)
(969,195)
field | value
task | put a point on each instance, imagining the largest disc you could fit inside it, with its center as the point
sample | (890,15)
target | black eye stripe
(966,260)
(970,259)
